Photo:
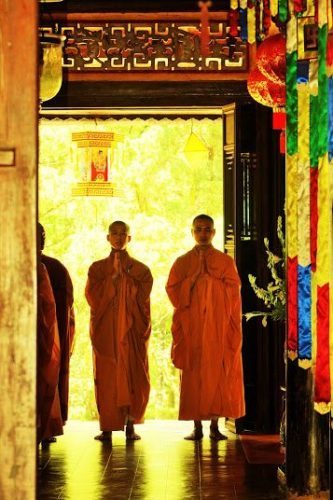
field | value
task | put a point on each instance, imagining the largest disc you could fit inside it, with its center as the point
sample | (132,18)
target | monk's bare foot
(104,436)
(131,435)
(196,434)
(216,435)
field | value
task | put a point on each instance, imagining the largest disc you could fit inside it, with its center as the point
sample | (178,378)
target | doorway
(159,191)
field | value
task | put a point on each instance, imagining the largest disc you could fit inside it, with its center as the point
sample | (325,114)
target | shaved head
(119,223)
(203,217)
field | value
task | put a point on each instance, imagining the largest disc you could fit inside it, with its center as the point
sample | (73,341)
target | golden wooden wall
(18,165)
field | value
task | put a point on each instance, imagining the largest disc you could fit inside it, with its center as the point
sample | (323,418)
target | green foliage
(274,296)
(161,193)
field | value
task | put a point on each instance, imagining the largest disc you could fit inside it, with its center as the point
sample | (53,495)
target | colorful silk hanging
(309,175)
(309,198)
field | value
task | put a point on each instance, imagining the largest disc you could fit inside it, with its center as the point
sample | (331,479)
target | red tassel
(282,142)
(279,120)
(204,20)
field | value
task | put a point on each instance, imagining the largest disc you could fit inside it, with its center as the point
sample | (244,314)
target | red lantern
(271,58)
(266,91)
(266,82)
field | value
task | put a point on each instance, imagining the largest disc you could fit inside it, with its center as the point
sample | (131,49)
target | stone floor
(160,466)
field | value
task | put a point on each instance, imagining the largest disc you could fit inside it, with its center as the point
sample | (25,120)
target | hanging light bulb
(50,65)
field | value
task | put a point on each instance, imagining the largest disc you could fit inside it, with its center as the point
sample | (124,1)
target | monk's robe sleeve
(144,287)
(71,312)
(143,282)
(232,285)
(178,288)
(179,285)
(100,288)
(46,326)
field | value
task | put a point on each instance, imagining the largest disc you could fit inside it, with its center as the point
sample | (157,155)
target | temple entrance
(164,169)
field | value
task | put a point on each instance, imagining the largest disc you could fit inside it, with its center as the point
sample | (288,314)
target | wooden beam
(132,16)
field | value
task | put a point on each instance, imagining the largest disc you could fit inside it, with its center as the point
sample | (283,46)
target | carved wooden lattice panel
(248,163)
(149,46)
(229,197)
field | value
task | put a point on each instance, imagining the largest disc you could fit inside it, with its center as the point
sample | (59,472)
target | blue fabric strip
(243,24)
(304,312)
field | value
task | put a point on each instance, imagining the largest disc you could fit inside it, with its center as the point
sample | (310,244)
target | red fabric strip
(233,22)
(299,6)
(313,216)
(322,392)
(292,264)
(329,53)
(316,11)
(267,20)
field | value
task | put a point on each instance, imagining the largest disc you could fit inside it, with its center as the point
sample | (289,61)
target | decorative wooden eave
(163,46)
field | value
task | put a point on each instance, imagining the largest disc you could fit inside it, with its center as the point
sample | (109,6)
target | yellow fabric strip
(303,169)
(313,76)
(322,13)
(310,9)
(261,17)
(292,355)
(329,15)
(303,122)
(291,40)
(233,4)
(324,252)
(291,204)
(274,7)
(251,25)
(305,364)
(322,408)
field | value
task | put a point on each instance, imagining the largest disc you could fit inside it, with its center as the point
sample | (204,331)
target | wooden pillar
(308,461)
(18,165)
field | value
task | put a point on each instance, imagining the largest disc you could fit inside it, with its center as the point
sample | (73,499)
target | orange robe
(207,335)
(119,330)
(49,421)
(63,293)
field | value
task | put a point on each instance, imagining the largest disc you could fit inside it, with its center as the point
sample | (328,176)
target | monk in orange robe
(118,292)
(49,421)
(63,293)
(204,288)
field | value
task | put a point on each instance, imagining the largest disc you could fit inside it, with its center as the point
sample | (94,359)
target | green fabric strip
(283,10)
(322,92)
(291,104)
(314,116)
